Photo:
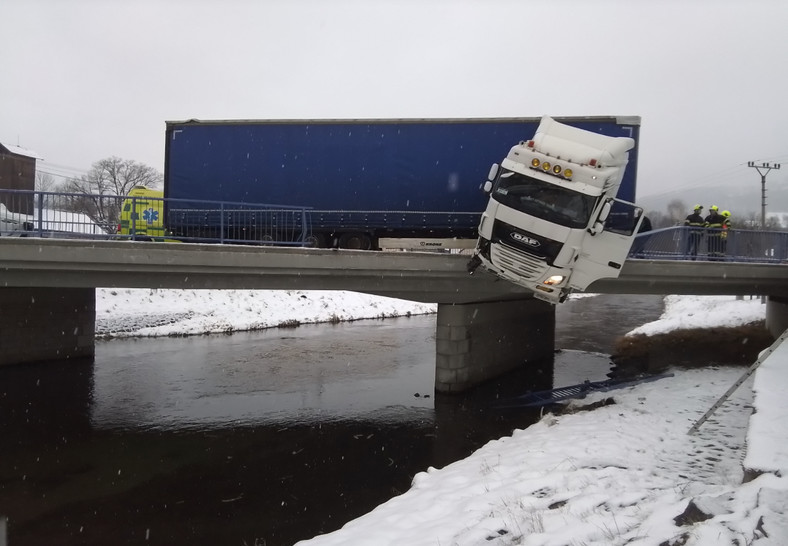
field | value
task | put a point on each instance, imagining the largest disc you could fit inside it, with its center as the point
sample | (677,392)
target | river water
(261,438)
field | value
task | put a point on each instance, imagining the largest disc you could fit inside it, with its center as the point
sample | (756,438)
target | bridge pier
(478,341)
(776,315)
(38,324)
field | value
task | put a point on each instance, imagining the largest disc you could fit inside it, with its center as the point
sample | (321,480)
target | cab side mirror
(488,184)
(599,223)
(493,172)
(605,211)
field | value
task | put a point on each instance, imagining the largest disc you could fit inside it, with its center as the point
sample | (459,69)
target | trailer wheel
(355,241)
(315,240)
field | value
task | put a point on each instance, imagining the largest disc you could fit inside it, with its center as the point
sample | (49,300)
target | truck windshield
(546,201)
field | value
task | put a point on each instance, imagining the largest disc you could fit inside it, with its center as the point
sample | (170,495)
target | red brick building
(17,172)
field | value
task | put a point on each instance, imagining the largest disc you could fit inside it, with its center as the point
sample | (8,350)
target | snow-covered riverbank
(622,474)
(151,312)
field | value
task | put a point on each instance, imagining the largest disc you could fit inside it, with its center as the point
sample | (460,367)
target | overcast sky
(83,80)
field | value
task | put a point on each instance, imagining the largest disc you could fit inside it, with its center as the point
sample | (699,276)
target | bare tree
(102,189)
(677,211)
(45,182)
(660,219)
(751,220)
(116,176)
(773,223)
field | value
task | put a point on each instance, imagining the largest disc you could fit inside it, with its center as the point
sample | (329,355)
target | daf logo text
(519,237)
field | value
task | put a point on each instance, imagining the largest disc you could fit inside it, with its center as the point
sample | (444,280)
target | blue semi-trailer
(367,183)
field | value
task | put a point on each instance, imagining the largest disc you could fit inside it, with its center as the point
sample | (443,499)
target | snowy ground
(619,474)
(144,312)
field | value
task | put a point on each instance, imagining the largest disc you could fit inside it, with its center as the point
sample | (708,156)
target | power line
(734,173)
(56,174)
(60,171)
(59,167)
(706,180)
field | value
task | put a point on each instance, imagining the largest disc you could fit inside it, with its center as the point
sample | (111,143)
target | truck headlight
(484,248)
(554,280)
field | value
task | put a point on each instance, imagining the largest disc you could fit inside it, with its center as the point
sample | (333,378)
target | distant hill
(742,200)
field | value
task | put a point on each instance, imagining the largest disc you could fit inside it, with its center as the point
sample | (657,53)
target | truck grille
(525,265)
(538,247)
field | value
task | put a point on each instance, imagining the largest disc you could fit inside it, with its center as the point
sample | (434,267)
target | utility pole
(766,168)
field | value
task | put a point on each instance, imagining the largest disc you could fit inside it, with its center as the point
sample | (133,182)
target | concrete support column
(38,324)
(476,342)
(776,315)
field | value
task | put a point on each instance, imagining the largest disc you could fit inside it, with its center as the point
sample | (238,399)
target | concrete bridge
(485,326)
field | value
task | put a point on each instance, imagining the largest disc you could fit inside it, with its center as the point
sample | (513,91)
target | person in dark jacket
(714,223)
(639,242)
(694,221)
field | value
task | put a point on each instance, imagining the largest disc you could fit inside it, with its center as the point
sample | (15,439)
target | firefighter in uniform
(714,224)
(694,221)
(726,226)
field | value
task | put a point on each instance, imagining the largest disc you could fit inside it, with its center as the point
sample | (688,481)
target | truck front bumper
(522,269)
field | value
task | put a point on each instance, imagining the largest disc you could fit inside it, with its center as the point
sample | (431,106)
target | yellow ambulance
(142,214)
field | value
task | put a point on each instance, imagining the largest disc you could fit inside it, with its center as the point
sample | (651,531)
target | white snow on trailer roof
(20,151)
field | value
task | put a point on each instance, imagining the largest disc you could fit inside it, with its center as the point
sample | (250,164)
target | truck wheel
(266,239)
(355,241)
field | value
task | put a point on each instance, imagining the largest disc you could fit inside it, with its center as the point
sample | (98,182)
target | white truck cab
(553,223)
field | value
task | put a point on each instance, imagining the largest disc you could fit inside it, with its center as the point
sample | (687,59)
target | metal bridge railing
(141,217)
(692,243)
(25,213)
